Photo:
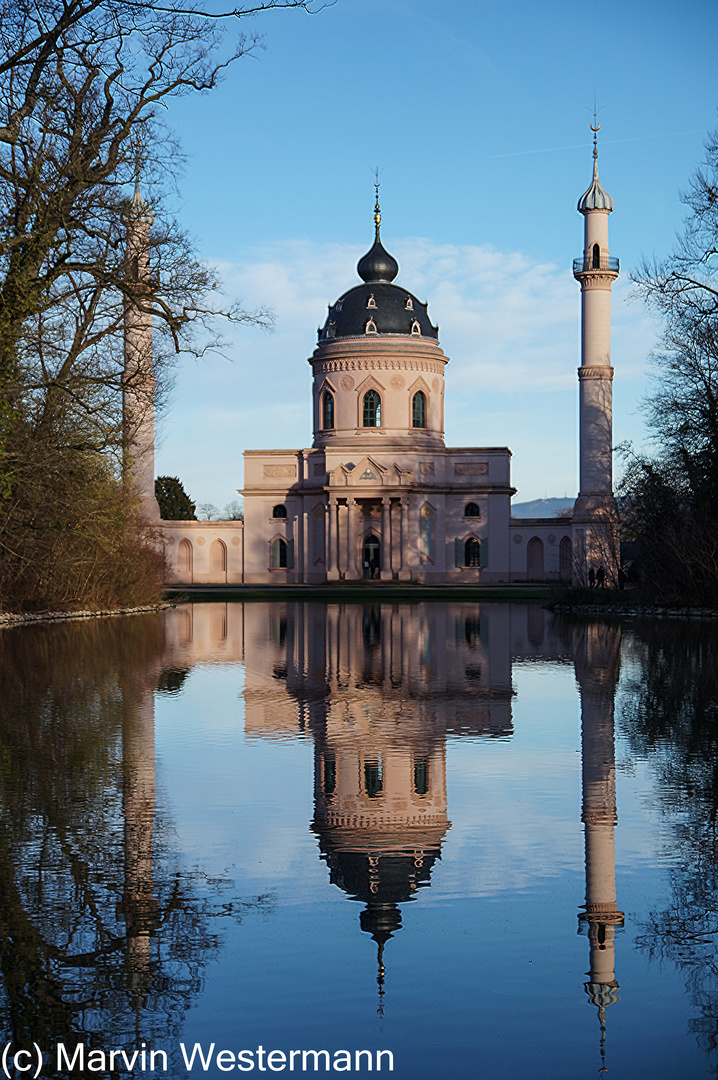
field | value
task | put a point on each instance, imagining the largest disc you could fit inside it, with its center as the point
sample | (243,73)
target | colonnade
(344,543)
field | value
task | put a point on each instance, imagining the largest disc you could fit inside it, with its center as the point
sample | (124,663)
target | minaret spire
(595,513)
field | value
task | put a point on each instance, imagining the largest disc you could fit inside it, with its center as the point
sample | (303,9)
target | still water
(467,842)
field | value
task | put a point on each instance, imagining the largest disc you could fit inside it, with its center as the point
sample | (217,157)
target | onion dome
(377,264)
(137,211)
(596,198)
(377,306)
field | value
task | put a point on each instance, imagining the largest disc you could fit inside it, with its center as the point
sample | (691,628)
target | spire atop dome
(596,198)
(377,264)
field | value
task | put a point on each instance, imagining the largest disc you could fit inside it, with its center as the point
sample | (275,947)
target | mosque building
(379,495)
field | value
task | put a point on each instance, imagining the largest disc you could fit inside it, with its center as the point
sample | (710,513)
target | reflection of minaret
(138,803)
(597,666)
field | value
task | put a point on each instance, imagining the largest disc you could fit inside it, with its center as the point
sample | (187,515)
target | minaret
(595,512)
(138,381)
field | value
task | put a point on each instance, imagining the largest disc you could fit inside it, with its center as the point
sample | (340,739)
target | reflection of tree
(102,939)
(671,717)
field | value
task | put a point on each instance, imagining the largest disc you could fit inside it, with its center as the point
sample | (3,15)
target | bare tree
(670,500)
(82,89)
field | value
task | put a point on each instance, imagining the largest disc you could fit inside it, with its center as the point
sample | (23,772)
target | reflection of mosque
(379,688)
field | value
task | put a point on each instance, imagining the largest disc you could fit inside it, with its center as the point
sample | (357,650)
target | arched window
(327,410)
(472,510)
(330,776)
(371,409)
(596,261)
(279,554)
(421,776)
(418,410)
(279,511)
(472,552)
(374,778)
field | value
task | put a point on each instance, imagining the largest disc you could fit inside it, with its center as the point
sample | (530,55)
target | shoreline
(26,618)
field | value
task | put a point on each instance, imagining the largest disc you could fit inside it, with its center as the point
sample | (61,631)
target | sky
(478,117)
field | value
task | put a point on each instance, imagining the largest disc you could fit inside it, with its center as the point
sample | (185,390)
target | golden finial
(377,210)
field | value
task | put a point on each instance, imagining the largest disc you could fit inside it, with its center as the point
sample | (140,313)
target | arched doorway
(371,557)
(184,561)
(565,559)
(218,562)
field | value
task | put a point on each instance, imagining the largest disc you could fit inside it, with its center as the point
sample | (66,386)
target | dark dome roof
(377,308)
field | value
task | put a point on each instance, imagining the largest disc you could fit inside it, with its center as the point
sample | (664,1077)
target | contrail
(604,142)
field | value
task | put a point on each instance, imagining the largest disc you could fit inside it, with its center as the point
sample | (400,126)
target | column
(352,572)
(332,540)
(386,568)
(404,566)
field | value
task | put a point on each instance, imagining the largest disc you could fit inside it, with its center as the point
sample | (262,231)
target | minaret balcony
(589,262)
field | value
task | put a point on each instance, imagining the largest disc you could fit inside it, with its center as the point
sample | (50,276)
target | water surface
(480,839)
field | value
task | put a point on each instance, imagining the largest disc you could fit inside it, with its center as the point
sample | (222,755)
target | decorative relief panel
(471,468)
(426,468)
(235,541)
(280,470)
(200,541)
(518,538)
(397,382)
(346,383)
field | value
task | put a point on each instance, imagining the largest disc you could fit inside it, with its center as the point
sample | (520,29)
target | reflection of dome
(376,877)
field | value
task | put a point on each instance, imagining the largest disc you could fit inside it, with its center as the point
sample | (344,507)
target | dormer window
(409,305)
(370,327)
(330,330)
(371,302)
(415,328)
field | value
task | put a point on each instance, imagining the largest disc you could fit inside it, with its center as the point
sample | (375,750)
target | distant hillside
(546,508)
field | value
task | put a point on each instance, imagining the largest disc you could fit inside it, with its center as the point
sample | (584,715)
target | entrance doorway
(371,557)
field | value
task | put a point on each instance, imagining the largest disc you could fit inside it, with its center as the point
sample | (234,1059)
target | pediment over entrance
(368,473)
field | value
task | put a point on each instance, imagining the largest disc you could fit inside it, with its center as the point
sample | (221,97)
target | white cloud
(509,325)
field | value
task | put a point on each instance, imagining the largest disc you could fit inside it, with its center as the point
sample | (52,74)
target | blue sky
(478,116)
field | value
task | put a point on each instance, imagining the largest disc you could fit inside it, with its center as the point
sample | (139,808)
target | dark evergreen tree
(174,502)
